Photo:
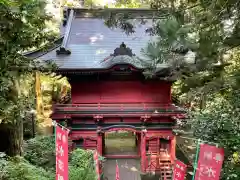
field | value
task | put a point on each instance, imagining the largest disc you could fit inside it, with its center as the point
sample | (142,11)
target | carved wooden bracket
(144,131)
(97,118)
(99,130)
(145,118)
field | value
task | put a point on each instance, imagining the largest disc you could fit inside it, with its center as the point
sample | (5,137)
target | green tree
(219,122)
(23,27)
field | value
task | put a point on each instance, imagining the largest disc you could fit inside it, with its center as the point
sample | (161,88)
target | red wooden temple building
(109,89)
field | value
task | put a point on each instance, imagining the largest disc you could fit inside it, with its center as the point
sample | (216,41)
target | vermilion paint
(209,163)
(179,171)
(121,92)
(61,154)
(117,172)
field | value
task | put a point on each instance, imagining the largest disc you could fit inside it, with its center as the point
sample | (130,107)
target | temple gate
(109,89)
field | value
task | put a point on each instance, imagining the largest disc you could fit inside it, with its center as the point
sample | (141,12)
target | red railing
(119,107)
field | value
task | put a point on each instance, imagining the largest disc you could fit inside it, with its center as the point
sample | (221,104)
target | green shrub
(18,168)
(81,165)
(40,151)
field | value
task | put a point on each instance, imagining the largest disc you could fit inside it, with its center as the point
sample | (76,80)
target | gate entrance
(122,146)
(121,143)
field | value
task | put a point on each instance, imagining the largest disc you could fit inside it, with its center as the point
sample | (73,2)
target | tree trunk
(15,135)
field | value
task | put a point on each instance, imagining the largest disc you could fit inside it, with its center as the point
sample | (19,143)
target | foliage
(103,3)
(81,165)
(23,27)
(126,4)
(219,122)
(40,151)
(18,168)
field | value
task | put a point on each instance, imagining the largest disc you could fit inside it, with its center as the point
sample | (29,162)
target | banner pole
(55,137)
(196,159)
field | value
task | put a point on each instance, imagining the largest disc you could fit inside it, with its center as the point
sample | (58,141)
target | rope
(201,141)
(54,123)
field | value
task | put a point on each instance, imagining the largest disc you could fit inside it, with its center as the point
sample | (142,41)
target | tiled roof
(91,43)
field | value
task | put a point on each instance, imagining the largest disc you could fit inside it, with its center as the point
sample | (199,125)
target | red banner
(117,172)
(209,162)
(180,170)
(97,164)
(61,154)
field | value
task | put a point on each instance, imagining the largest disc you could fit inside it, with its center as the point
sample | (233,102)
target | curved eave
(45,49)
(111,67)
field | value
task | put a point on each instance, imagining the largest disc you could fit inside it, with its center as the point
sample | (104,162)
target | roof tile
(91,42)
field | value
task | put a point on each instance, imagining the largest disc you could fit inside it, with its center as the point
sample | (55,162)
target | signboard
(179,171)
(61,153)
(209,162)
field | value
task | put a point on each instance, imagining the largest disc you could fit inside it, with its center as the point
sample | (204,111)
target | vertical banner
(117,171)
(97,164)
(209,162)
(61,153)
(179,171)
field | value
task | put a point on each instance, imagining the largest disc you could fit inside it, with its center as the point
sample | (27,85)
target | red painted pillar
(173,149)
(99,143)
(143,151)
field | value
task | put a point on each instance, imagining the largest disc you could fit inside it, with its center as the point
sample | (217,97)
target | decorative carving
(122,129)
(97,118)
(119,127)
(62,50)
(144,133)
(99,130)
(145,118)
(122,50)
